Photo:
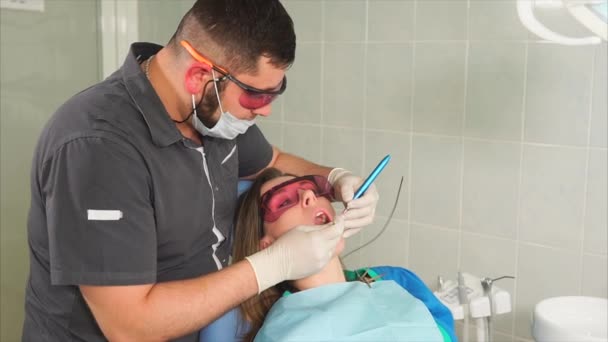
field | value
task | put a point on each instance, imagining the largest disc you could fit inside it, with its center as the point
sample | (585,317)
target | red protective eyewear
(286,195)
(251,98)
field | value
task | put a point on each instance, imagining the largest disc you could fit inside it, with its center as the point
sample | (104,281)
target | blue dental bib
(350,311)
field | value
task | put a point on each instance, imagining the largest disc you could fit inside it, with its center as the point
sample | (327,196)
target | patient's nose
(308,197)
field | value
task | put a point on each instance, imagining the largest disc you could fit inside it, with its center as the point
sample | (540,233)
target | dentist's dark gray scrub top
(120,197)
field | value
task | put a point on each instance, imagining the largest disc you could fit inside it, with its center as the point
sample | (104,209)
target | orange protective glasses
(251,98)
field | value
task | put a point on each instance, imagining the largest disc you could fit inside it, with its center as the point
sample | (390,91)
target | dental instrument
(362,190)
(372,176)
(370,179)
(486,322)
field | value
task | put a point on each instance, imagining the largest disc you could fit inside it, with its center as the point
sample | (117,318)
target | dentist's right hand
(297,254)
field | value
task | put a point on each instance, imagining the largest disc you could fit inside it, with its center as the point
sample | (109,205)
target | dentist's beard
(226,126)
(208,107)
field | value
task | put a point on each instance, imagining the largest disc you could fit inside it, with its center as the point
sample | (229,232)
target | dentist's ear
(265,242)
(196,77)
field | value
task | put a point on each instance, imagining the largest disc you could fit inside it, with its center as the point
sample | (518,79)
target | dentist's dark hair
(236,33)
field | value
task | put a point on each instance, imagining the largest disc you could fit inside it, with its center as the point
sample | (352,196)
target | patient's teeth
(321,218)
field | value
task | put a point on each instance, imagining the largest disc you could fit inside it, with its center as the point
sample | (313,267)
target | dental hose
(390,216)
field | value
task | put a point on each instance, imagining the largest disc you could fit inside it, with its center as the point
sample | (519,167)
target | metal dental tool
(486,284)
(370,179)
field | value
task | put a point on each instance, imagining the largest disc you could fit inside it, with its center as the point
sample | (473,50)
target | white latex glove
(360,212)
(300,252)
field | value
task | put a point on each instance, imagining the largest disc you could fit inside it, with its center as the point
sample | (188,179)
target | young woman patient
(323,305)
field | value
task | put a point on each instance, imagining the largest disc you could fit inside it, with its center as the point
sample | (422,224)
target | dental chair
(227,328)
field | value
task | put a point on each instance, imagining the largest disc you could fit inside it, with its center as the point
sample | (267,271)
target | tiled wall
(501,139)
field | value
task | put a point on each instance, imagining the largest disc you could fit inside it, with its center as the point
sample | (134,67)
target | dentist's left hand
(360,212)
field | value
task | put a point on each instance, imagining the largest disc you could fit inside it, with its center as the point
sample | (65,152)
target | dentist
(134,185)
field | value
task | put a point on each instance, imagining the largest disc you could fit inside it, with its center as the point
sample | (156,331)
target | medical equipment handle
(372,176)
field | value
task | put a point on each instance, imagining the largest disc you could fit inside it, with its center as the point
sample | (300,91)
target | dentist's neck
(332,273)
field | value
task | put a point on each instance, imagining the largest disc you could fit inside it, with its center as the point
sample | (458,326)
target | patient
(276,203)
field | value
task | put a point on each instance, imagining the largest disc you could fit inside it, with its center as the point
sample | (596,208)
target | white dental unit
(474,298)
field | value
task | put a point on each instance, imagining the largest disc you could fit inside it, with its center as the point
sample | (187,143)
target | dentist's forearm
(168,310)
(289,163)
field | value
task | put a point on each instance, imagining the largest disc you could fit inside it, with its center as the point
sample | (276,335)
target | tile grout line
(519,187)
(282,121)
(364,104)
(411,139)
(322,86)
(500,238)
(462,131)
(363,117)
(427,41)
(586,184)
(424,134)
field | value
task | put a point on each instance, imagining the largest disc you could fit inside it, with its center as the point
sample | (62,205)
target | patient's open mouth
(322,217)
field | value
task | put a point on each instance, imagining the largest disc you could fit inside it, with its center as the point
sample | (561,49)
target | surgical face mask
(227,127)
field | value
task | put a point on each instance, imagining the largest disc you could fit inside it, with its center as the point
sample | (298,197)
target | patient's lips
(322,217)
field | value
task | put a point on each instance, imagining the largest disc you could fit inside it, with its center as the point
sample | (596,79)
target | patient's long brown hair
(248,232)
